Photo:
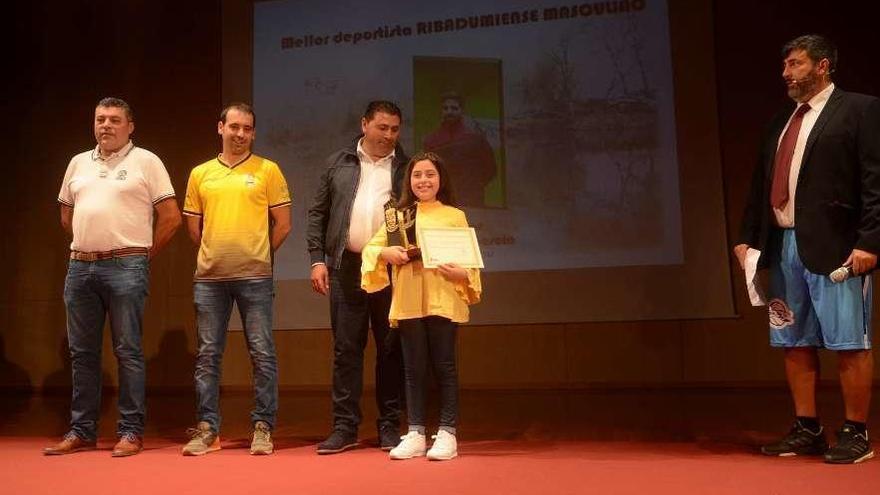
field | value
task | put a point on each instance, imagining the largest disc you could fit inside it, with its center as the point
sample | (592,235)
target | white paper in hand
(756,292)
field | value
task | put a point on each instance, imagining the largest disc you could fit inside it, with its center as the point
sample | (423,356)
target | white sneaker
(411,445)
(445,447)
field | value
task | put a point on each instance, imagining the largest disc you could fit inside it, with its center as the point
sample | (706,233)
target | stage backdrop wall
(165,58)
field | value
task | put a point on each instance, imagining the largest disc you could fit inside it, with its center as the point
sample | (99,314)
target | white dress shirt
(373,191)
(785,216)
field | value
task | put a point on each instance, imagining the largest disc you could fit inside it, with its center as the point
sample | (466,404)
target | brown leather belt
(106,255)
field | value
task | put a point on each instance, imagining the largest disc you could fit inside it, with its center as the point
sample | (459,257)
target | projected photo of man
(462,144)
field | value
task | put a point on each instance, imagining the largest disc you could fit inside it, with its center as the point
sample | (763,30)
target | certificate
(457,245)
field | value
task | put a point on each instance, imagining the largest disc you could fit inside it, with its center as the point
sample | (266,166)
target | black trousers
(352,313)
(430,341)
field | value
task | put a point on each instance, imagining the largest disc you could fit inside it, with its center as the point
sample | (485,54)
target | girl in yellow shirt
(426,306)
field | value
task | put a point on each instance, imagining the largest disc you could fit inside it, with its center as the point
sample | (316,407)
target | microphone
(798,82)
(841,274)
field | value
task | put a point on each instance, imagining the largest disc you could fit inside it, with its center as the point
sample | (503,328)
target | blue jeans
(116,287)
(213,302)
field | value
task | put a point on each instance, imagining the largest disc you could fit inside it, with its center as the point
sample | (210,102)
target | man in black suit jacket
(814,207)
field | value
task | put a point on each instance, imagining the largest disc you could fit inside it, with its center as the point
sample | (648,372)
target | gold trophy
(401,227)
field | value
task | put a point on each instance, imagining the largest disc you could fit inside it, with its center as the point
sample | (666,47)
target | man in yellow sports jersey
(238,212)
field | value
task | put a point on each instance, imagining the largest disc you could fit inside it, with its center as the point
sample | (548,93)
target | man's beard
(805,86)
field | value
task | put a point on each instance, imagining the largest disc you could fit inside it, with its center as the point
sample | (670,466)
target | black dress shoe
(338,441)
(389,437)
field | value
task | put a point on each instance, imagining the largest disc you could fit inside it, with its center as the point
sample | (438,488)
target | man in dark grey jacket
(347,211)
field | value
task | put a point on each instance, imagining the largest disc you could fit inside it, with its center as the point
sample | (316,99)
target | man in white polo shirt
(108,198)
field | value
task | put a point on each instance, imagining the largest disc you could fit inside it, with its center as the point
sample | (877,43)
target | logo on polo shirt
(122,174)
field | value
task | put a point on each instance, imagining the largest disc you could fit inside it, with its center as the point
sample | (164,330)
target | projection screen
(597,195)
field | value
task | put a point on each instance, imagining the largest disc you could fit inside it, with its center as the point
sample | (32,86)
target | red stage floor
(560,442)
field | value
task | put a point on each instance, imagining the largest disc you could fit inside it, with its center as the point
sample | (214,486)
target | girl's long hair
(444,192)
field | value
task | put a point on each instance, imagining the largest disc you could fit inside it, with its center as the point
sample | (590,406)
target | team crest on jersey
(122,175)
(781,315)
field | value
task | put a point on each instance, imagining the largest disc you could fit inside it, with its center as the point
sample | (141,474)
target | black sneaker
(799,441)
(338,441)
(389,437)
(852,447)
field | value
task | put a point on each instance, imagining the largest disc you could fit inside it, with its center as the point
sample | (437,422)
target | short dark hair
(111,102)
(241,107)
(817,48)
(383,106)
(444,192)
(452,95)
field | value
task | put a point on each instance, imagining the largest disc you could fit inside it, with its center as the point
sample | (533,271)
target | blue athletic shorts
(809,310)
